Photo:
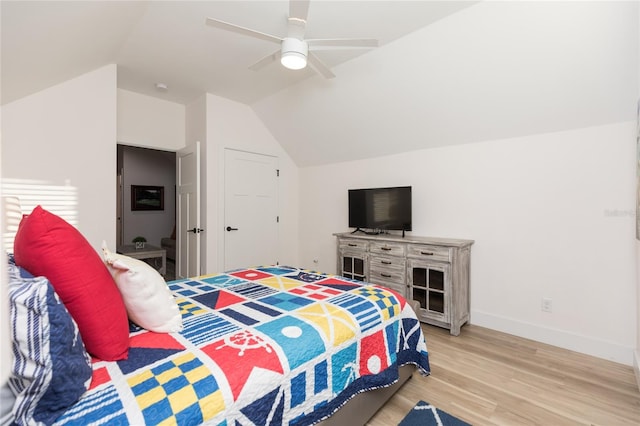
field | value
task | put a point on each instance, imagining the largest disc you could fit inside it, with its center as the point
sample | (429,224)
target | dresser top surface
(449,242)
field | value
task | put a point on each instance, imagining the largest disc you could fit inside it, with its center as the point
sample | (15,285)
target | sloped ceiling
(446,73)
(45,42)
(494,70)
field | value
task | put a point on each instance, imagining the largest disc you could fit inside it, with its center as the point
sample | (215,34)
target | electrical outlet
(547,305)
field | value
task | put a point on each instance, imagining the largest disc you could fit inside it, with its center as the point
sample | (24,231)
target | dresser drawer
(387,270)
(442,254)
(382,277)
(384,263)
(353,244)
(387,249)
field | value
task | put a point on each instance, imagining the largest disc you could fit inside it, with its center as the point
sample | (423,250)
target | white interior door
(188,228)
(250,209)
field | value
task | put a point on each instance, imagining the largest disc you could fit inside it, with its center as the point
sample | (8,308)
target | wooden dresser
(432,271)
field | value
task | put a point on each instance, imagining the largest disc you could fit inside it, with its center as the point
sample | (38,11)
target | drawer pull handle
(385,248)
(352,245)
(386,275)
(385,262)
(427,253)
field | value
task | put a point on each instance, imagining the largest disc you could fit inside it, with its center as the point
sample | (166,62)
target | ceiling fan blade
(242,30)
(299,9)
(272,57)
(320,43)
(319,66)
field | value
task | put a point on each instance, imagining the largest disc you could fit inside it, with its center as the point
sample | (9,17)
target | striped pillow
(51,368)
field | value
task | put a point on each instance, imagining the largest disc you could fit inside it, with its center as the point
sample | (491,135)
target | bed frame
(363,406)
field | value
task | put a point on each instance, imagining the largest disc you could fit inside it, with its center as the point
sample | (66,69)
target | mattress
(267,345)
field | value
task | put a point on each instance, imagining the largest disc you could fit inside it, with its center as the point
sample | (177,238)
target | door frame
(195,221)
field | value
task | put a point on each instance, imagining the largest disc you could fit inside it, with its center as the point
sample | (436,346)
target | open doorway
(149,210)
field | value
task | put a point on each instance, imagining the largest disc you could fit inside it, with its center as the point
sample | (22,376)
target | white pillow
(146,296)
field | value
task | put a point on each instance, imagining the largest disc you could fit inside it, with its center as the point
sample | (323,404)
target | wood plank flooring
(490,378)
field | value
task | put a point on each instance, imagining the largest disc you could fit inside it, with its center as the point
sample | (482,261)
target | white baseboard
(561,338)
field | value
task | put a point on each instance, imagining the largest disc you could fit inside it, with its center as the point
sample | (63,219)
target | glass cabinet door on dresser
(352,259)
(354,266)
(429,285)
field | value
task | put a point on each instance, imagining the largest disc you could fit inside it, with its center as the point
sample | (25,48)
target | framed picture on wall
(145,197)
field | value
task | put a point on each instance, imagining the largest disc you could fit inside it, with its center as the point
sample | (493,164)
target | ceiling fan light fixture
(294,53)
(293,60)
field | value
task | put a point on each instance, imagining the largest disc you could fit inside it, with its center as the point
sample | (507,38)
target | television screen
(380,208)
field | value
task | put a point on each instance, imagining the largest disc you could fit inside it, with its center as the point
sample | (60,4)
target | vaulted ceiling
(446,72)
(45,42)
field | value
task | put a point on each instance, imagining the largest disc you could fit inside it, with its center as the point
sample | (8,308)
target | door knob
(195,230)
(231,229)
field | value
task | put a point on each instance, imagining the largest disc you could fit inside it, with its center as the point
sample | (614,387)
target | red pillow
(46,245)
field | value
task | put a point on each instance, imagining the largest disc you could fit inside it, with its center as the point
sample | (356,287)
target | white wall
(150,122)
(550,216)
(234,125)
(66,134)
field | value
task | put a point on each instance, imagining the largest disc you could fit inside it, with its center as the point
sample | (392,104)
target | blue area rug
(425,414)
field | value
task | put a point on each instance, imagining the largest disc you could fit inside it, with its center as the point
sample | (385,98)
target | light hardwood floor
(490,378)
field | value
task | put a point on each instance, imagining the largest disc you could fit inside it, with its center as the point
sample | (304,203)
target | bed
(271,345)
(259,346)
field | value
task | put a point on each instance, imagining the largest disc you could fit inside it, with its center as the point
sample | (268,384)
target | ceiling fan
(295,51)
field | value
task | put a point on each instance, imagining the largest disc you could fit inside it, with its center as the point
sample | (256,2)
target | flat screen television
(380,209)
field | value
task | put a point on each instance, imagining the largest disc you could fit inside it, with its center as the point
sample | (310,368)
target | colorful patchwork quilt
(262,346)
